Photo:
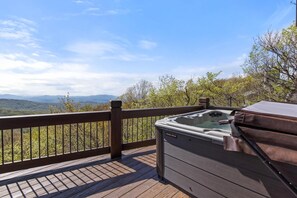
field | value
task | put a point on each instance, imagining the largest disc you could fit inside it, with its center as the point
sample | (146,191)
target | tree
(192,92)
(171,91)
(168,93)
(66,104)
(135,96)
(272,62)
(233,91)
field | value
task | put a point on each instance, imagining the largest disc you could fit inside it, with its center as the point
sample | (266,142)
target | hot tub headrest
(215,114)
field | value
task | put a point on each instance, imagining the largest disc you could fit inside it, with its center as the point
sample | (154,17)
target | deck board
(141,187)
(133,175)
(154,190)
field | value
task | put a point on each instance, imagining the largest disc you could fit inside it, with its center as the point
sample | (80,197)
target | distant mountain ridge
(103,98)
(23,107)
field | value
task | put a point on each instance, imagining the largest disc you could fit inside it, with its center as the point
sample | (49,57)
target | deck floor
(132,176)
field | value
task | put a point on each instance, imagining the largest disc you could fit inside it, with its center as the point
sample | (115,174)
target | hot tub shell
(196,162)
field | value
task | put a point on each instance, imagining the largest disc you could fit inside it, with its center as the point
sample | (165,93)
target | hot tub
(190,155)
(204,122)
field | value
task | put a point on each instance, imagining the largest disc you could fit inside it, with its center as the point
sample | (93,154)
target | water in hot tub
(211,120)
(214,125)
(208,121)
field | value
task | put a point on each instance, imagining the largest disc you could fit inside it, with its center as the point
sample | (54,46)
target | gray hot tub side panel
(199,165)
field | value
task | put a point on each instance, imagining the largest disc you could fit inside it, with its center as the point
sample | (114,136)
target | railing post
(230,101)
(116,129)
(204,102)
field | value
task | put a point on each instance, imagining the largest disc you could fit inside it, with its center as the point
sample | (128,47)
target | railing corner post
(204,102)
(116,129)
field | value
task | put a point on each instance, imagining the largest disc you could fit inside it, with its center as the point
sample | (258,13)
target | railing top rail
(24,121)
(137,113)
(53,114)
(11,122)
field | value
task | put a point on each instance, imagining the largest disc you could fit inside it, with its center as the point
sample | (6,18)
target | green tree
(68,105)
(272,62)
(233,91)
(136,96)
(168,93)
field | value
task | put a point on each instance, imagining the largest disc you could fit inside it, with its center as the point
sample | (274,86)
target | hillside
(22,107)
(94,99)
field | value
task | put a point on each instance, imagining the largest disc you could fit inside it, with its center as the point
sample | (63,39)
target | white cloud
(21,61)
(30,71)
(94,11)
(28,75)
(82,2)
(27,68)
(116,12)
(35,54)
(145,44)
(62,81)
(106,50)
(20,30)
(21,74)
(94,48)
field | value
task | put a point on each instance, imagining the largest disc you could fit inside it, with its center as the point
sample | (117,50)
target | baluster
(97,135)
(30,143)
(55,140)
(12,149)
(70,138)
(22,150)
(90,136)
(2,145)
(84,136)
(47,153)
(63,139)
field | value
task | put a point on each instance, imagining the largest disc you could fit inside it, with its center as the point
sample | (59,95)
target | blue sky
(88,47)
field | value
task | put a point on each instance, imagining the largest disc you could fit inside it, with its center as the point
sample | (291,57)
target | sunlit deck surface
(132,176)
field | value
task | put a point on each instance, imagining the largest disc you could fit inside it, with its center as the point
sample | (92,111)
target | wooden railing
(36,140)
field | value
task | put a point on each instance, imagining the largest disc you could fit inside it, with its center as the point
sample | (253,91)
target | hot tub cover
(281,117)
(272,127)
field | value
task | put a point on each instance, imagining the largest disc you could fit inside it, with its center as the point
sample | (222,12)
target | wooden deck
(132,176)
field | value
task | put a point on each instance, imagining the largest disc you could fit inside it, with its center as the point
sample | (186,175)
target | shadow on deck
(132,176)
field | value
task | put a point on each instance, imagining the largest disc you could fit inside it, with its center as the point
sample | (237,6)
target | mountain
(22,107)
(56,98)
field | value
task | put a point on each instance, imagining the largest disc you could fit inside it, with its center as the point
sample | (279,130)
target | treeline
(22,107)
(170,91)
